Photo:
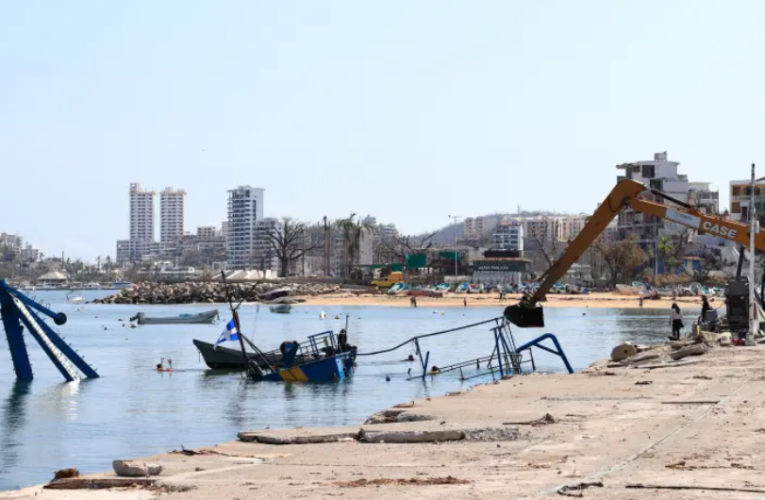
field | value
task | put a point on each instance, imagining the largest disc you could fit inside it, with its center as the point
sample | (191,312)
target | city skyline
(147,204)
(354,108)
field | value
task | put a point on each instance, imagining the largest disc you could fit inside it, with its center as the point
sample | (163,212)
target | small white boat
(77,299)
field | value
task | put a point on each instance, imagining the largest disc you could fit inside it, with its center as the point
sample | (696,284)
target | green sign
(450,255)
(416,261)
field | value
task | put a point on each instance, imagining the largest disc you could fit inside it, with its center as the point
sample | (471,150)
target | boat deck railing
(312,345)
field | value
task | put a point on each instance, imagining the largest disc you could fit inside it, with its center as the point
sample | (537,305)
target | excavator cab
(525,315)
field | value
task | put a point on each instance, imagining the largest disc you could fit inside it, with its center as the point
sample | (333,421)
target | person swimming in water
(161,365)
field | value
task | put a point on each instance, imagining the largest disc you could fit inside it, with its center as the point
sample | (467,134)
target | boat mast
(236,321)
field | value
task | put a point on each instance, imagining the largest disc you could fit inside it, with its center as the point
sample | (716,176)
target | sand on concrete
(695,425)
(595,300)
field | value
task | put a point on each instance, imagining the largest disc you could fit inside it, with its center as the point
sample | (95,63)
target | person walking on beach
(464,301)
(414,301)
(676,320)
(641,300)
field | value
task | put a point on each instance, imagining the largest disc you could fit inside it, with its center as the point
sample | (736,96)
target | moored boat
(280,309)
(183,319)
(224,358)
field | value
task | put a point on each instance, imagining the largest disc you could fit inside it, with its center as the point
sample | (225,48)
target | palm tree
(666,252)
(353,231)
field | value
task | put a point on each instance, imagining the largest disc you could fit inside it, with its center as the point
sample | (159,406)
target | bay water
(134,411)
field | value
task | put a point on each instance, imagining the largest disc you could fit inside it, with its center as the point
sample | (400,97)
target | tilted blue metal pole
(14,333)
(58,318)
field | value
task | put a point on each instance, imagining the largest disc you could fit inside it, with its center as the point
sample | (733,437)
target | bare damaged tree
(288,239)
(403,246)
(622,257)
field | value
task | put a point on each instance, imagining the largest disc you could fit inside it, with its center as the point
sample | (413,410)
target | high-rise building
(141,213)
(141,226)
(172,206)
(245,209)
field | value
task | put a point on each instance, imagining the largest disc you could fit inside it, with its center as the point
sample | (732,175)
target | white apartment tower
(141,213)
(172,208)
(245,209)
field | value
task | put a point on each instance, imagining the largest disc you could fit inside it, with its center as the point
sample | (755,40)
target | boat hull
(281,309)
(201,318)
(331,369)
(224,358)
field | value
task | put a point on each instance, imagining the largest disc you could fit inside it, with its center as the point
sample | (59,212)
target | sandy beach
(685,430)
(605,299)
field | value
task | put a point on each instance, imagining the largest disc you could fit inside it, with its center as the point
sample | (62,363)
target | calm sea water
(133,411)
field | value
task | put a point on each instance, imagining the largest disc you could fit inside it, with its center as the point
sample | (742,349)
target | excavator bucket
(524,316)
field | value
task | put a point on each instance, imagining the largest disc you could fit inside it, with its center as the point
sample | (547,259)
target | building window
(648,171)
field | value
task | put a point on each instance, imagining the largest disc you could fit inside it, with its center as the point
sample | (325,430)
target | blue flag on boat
(230,333)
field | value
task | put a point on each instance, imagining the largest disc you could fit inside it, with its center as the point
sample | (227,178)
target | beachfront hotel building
(245,209)
(172,208)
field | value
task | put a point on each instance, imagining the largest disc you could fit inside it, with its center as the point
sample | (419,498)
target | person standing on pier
(705,307)
(676,320)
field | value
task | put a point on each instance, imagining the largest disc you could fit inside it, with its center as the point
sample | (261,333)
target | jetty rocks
(207,292)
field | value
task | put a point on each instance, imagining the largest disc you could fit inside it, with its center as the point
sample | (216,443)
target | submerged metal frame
(505,351)
(558,351)
(18,312)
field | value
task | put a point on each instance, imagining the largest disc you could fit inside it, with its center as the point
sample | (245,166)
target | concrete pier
(683,432)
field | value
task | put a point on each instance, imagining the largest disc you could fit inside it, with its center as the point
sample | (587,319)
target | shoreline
(594,300)
(694,424)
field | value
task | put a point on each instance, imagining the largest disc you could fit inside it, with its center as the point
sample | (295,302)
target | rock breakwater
(199,292)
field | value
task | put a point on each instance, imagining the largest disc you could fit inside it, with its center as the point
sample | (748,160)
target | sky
(406,110)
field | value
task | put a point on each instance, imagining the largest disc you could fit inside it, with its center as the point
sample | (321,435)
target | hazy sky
(406,110)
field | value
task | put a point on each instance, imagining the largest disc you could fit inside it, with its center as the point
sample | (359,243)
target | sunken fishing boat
(323,357)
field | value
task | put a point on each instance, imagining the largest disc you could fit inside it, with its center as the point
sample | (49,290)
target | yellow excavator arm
(528,313)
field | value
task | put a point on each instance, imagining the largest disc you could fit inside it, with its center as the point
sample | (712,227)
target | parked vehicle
(392,279)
